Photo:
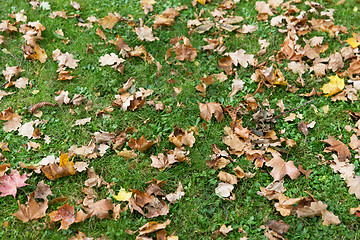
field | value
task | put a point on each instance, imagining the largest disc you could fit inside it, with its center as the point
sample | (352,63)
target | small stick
(290,110)
(259,87)
(274,40)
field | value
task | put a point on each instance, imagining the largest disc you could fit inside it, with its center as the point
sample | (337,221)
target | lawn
(159,94)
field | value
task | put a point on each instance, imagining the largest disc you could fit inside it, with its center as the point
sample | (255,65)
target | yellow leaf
(123,195)
(64,163)
(335,85)
(353,43)
(202,1)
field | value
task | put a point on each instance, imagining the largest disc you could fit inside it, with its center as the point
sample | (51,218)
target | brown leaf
(339,147)
(278,226)
(225,63)
(32,211)
(174,197)
(152,227)
(66,214)
(282,168)
(147,5)
(42,191)
(40,105)
(145,33)
(100,208)
(110,20)
(65,168)
(142,144)
(207,110)
(318,208)
(303,128)
(182,137)
(3,168)
(305,172)
(227,177)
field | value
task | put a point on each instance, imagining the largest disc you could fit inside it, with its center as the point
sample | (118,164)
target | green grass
(200,211)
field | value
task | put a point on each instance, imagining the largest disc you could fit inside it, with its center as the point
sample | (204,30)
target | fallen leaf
(335,85)
(224,189)
(282,168)
(207,110)
(32,211)
(81,122)
(278,226)
(142,144)
(174,197)
(152,227)
(339,147)
(10,183)
(227,178)
(100,208)
(42,191)
(123,195)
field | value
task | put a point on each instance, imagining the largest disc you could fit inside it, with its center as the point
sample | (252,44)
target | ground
(200,212)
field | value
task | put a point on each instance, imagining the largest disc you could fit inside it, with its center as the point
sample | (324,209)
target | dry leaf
(207,110)
(33,211)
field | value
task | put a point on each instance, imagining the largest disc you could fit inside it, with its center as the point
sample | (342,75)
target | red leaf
(10,183)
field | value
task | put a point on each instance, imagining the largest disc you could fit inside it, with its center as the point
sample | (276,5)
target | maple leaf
(182,137)
(166,18)
(110,59)
(318,208)
(65,59)
(207,110)
(142,144)
(225,63)
(10,183)
(3,168)
(123,195)
(33,211)
(335,85)
(65,168)
(278,226)
(185,51)
(100,208)
(339,147)
(110,20)
(239,57)
(42,191)
(66,214)
(225,229)
(282,168)
(145,33)
(75,5)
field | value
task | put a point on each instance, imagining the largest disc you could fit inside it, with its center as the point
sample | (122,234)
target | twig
(5,83)
(290,110)
(11,54)
(274,40)
(259,87)
(227,213)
